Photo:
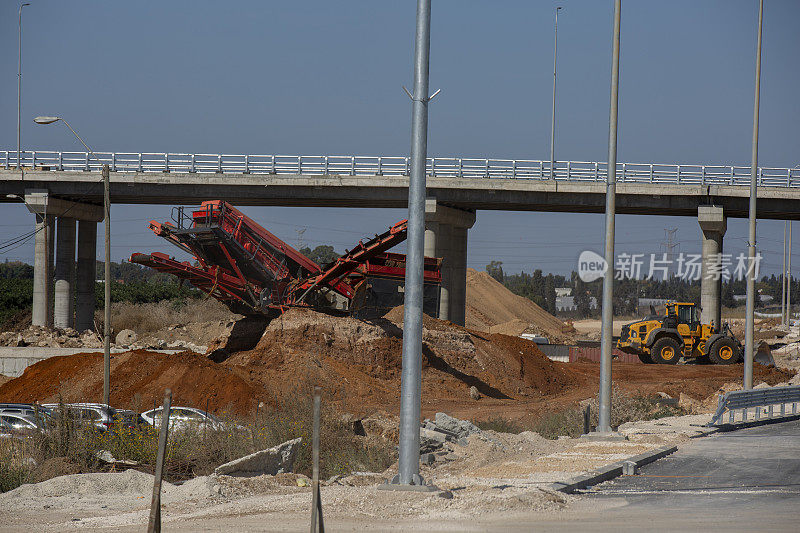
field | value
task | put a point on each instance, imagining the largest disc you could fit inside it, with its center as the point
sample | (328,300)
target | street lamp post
(19,89)
(107,303)
(751,244)
(553,122)
(604,423)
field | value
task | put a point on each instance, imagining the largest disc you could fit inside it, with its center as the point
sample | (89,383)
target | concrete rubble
(125,337)
(437,437)
(276,460)
(42,337)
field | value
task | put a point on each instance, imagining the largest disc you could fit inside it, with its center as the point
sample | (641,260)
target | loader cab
(683,313)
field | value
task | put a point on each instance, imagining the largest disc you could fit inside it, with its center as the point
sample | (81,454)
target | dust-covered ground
(490,479)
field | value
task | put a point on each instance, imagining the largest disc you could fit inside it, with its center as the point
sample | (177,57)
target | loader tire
(645,358)
(724,351)
(666,351)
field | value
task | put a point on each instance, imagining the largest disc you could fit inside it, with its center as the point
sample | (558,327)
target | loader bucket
(763,355)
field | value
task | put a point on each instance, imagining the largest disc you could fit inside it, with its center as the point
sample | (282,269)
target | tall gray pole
(789,279)
(107,303)
(604,422)
(783,277)
(751,240)
(553,122)
(19,90)
(411,380)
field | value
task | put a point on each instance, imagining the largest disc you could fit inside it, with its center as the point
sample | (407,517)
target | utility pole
(107,215)
(751,244)
(19,91)
(604,424)
(789,279)
(408,477)
(107,304)
(670,245)
(783,278)
(553,123)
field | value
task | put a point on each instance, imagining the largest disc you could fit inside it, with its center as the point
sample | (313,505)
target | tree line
(541,288)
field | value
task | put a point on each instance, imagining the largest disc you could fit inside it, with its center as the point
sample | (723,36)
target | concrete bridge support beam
(712,225)
(446,237)
(43,271)
(86,273)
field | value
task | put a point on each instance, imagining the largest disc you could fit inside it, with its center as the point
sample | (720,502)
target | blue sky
(326,77)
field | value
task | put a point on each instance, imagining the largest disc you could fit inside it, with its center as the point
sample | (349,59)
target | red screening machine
(253,272)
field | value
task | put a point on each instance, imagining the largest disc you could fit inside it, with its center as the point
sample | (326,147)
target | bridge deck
(383,182)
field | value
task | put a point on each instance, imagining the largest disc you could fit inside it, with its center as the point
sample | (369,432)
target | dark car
(97,415)
(130,420)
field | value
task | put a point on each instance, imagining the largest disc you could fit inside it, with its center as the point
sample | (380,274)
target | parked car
(25,409)
(17,424)
(99,415)
(38,414)
(130,419)
(183,418)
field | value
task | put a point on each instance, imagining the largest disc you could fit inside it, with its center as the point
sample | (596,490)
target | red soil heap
(138,379)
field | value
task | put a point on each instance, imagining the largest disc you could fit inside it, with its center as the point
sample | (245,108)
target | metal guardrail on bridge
(761,402)
(440,167)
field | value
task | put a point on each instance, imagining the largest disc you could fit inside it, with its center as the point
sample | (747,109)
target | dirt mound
(138,380)
(362,360)
(514,327)
(490,303)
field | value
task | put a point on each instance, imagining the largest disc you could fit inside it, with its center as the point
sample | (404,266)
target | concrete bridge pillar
(53,306)
(86,273)
(446,237)
(65,273)
(712,225)
(43,271)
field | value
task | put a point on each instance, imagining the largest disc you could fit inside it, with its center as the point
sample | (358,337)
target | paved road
(744,480)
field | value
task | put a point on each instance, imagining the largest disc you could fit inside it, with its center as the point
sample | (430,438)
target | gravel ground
(494,477)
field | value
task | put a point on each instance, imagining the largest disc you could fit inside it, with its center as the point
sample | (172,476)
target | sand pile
(360,360)
(492,307)
(138,380)
(363,359)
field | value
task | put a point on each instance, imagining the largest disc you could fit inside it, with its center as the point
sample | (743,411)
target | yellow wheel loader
(664,339)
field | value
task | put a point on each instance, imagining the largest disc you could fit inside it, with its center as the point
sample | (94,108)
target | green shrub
(499,424)
(198,451)
(624,408)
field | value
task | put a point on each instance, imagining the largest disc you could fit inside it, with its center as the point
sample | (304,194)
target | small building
(566,304)
(763,298)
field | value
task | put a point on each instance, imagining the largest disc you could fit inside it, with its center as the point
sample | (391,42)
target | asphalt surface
(742,480)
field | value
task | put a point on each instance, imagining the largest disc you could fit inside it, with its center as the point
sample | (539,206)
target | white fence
(440,167)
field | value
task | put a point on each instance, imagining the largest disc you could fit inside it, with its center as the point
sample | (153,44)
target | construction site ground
(358,363)
(481,372)
(496,478)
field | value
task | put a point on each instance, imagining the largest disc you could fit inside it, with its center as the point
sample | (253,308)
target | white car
(183,418)
(15,424)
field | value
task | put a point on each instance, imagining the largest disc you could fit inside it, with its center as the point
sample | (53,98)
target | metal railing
(743,406)
(439,167)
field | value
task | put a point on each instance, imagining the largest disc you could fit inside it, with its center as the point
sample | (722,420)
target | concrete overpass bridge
(67,186)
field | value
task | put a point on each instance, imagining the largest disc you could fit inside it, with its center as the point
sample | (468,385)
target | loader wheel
(645,358)
(724,351)
(666,351)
